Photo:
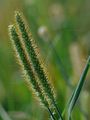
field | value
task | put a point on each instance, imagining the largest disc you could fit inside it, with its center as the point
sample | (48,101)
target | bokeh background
(61,29)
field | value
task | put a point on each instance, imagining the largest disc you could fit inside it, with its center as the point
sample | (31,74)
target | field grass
(61,32)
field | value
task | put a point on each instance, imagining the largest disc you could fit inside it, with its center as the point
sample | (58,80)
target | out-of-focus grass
(66,22)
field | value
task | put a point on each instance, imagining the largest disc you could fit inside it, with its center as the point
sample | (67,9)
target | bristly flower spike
(22,57)
(29,44)
(27,39)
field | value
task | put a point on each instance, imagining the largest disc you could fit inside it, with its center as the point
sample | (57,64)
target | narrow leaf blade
(78,89)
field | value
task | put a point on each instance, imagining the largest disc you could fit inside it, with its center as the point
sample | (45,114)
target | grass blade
(78,89)
(4,114)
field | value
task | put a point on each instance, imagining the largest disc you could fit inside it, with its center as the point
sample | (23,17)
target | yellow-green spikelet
(26,64)
(43,78)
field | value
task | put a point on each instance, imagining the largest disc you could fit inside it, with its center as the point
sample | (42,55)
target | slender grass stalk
(30,47)
(78,89)
(4,114)
(51,114)
(65,75)
(22,56)
(61,65)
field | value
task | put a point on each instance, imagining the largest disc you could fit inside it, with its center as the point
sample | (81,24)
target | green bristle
(34,56)
(26,64)
(28,41)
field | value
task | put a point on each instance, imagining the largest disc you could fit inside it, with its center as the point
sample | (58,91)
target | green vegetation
(25,48)
(55,78)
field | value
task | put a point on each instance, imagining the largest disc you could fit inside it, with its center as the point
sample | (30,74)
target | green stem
(65,75)
(77,91)
(61,66)
(51,114)
(58,110)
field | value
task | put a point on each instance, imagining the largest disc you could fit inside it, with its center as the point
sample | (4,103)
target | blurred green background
(61,29)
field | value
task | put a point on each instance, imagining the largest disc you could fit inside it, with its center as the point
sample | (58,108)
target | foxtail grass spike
(34,71)
(27,39)
(26,64)
(30,47)
(27,67)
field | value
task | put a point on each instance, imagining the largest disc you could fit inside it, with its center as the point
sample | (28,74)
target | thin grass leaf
(64,74)
(60,65)
(78,89)
(3,114)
